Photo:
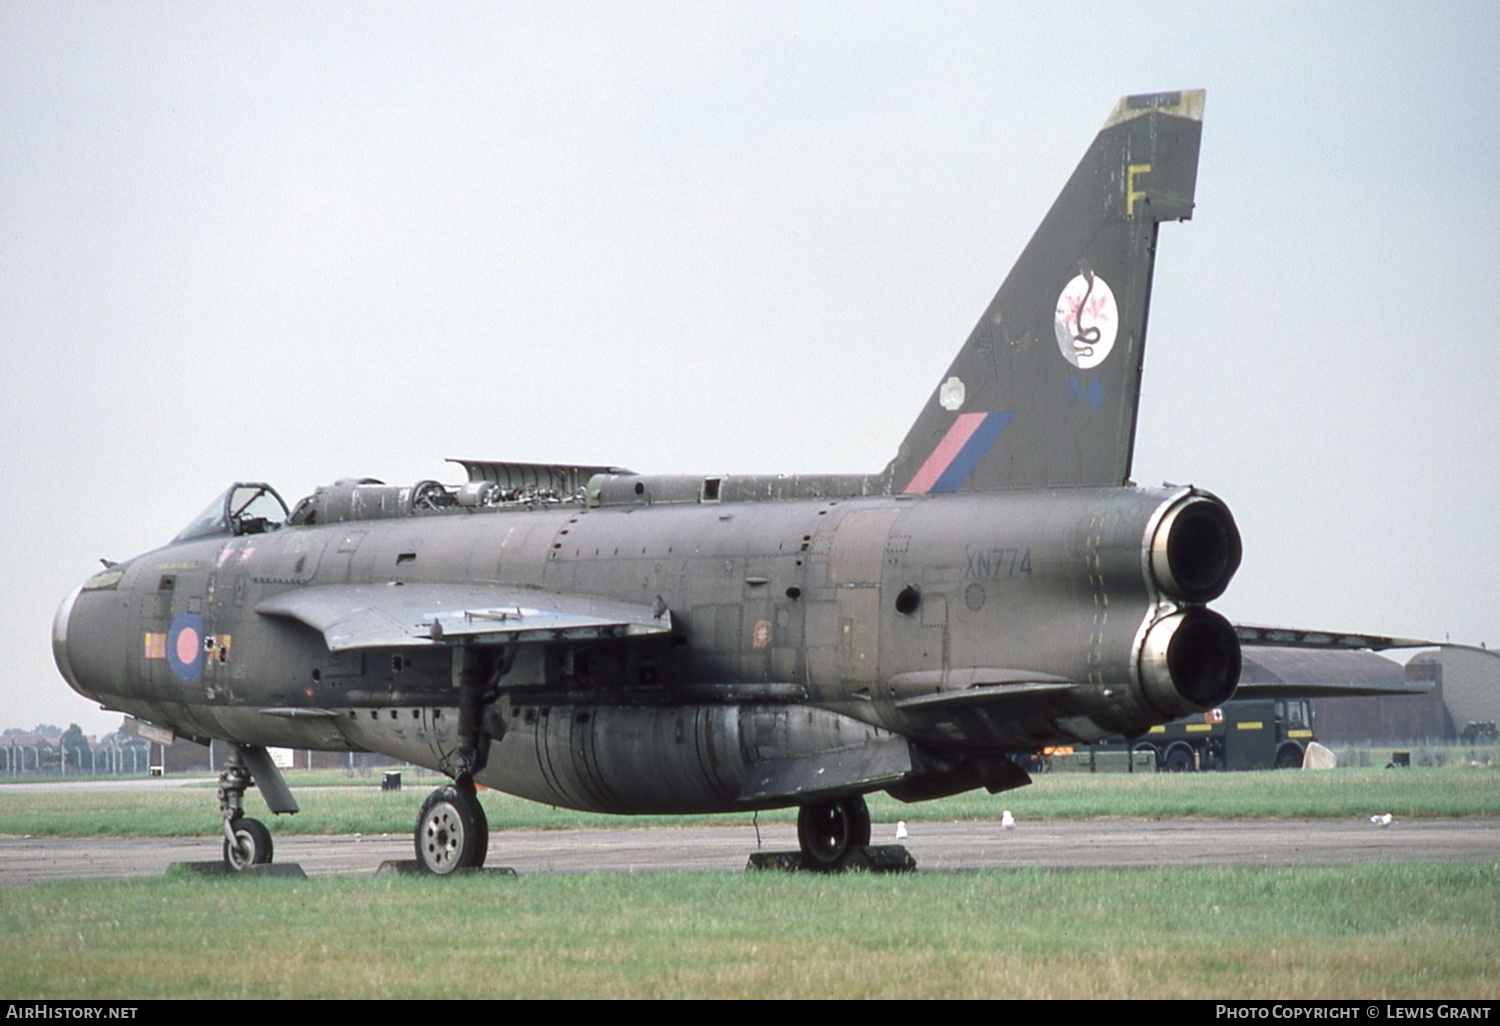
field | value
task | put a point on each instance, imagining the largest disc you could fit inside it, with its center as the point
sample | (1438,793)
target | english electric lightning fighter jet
(599,639)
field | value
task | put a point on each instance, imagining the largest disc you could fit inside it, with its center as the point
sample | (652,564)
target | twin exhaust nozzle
(1190,659)
(1195,549)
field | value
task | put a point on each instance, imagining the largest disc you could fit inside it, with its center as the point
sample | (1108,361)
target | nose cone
(60,639)
(91,636)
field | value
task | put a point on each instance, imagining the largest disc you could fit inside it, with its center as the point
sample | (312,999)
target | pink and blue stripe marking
(959,452)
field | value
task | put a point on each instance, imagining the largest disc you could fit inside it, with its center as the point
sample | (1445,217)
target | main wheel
(828,831)
(252,845)
(452,832)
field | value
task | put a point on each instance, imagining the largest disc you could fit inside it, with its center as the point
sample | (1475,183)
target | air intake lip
(60,621)
(1195,550)
(1190,662)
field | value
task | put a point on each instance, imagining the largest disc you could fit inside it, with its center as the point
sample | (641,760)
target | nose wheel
(251,845)
(452,831)
(829,830)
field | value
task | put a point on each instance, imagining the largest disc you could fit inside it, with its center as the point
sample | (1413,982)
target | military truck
(1244,734)
(1238,735)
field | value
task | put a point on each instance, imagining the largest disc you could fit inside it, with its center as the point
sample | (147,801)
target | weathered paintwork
(595,638)
(786,635)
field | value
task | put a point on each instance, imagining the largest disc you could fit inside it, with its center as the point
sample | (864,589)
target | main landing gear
(452,831)
(828,831)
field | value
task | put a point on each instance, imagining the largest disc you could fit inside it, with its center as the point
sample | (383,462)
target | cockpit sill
(252,507)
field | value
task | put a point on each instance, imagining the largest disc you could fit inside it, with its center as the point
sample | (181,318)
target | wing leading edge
(354,616)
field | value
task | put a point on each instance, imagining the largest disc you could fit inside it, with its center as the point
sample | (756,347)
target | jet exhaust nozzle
(1190,662)
(1195,549)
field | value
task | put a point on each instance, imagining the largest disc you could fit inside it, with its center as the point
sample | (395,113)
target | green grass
(1415,793)
(1373,931)
(1453,791)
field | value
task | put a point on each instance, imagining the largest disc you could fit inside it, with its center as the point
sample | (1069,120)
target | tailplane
(1044,393)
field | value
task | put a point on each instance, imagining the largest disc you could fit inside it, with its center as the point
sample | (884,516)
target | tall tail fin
(1044,392)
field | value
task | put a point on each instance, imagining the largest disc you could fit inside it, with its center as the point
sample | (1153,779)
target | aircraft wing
(1320,665)
(1252,635)
(1280,662)
(1011,692)
(1016,698)
(1277,672)
(353,616)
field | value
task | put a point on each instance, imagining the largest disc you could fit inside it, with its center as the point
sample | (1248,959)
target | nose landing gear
(247,842)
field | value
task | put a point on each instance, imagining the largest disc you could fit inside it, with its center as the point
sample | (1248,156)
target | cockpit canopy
(245,507)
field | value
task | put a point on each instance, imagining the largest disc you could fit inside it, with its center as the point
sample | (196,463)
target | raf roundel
(185,647)
(1087,321)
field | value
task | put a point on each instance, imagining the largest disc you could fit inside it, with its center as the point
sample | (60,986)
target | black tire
(1289,756)
(252,845)
(452,832)
(1179,760)
(829,831)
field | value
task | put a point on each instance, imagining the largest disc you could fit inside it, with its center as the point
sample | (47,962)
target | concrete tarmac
(937,847)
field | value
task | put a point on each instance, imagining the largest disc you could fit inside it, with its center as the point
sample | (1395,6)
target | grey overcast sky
(296,242)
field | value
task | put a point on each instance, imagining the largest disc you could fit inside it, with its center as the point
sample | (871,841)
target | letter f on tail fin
(1044,393)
